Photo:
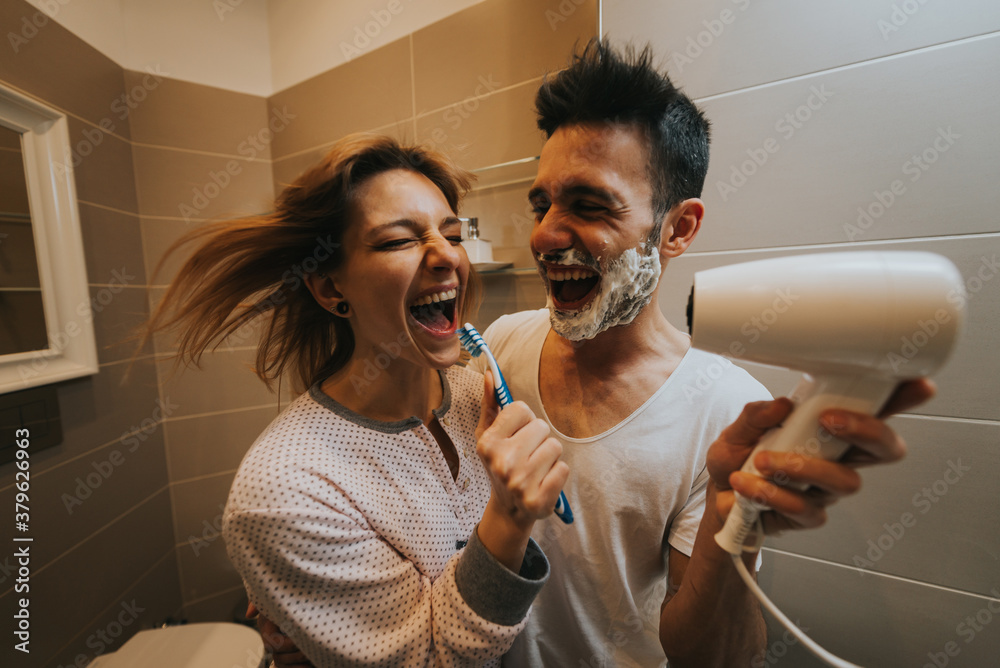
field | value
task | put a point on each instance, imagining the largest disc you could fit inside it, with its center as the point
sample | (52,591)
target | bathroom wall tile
(66,595)
(722,45)
(485,131)
(196,391)
(118,314)
(370,91)
(895,148)
(71,501)
(508,293)
(102,167)
(96,410)
(205,569)
(157,236)
(288,168)
(147,605)
(56,66)
(876,620)
(112,241)
(197,508)
(210,444)
(186,185)
(496,44)
(223,607)
(921,507)
(199,118)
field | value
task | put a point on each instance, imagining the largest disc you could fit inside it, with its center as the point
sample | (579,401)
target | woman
(349,517)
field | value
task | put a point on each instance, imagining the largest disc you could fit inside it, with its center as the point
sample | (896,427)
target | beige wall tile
(918,507)
(112,241)
(67,595)
(370,91)
(200,118)
(224,607)
(198,507)
(725,45)
(98,409)
(88,492)
(874,620)
(224,382)
(190,186)
(102,167)
(485,131)
(206,573)
(214,443)
(58,67)
(146,605)
(288,168)
(118,314)
(496,43)
(158,236)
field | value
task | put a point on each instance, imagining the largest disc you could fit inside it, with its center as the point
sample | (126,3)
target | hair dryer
(856,323)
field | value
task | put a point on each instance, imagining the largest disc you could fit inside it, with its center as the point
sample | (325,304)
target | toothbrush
(472,341)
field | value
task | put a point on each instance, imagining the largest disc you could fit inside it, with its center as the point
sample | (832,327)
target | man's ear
(323,290)
(680,227)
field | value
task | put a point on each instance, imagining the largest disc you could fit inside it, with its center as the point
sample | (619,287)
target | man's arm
(709,617)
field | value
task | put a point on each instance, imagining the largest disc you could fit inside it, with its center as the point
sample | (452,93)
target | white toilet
(215,645)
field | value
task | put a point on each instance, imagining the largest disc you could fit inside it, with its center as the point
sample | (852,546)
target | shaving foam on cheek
(627,284)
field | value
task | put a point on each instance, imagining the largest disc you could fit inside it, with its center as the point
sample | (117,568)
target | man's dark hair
(602,85)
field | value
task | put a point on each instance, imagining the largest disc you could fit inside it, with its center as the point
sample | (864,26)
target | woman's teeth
(436,297)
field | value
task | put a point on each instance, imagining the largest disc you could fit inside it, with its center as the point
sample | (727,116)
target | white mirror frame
(62,272)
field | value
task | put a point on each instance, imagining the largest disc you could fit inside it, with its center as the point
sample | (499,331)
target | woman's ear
(680,227)
(323,290)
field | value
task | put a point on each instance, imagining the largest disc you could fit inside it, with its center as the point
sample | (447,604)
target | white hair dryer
(857,323)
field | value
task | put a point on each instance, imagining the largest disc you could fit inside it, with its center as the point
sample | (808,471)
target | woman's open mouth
(436,312)
(571,287)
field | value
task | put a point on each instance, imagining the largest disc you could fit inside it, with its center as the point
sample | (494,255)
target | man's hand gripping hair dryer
(856,324)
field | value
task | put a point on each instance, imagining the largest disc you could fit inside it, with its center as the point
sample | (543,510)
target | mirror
(22,316)
(46,324)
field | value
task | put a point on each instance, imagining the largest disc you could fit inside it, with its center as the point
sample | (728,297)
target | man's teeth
(569,274)
(436,297)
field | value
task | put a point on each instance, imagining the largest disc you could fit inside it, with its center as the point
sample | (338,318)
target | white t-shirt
(633,490)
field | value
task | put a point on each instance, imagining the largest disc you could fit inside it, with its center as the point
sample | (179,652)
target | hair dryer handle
(801,433)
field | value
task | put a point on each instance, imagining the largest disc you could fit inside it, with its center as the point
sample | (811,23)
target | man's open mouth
(572,286)
(436,312)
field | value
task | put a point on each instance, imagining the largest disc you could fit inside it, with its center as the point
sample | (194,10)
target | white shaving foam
(627,284)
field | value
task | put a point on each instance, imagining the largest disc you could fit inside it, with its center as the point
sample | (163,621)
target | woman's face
(405,271)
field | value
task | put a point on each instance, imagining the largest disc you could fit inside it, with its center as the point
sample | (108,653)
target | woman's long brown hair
(250,270)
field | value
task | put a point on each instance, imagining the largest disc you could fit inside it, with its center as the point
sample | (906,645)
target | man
(616,198)
(638,577)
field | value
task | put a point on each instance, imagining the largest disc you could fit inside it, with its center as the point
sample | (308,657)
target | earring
(342,308)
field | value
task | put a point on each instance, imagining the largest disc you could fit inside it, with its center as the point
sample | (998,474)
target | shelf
(511,271)
(508,173)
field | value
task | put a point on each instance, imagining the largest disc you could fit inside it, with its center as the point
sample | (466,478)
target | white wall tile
(877,620)
(713,46)
(910,141)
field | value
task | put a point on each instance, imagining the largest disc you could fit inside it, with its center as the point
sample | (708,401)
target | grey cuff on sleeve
(495,593)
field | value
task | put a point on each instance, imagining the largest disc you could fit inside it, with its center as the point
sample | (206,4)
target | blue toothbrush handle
(563,511)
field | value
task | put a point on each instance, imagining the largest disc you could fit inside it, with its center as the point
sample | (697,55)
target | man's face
(593,204)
